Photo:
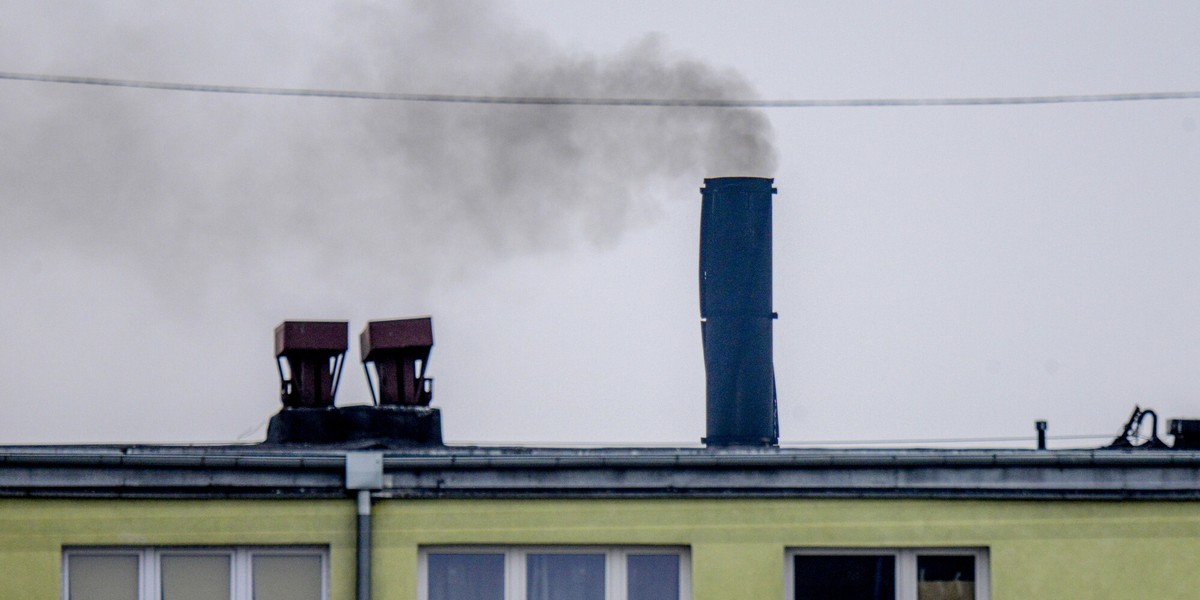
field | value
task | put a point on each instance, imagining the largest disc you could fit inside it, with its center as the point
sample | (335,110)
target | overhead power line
(593,101)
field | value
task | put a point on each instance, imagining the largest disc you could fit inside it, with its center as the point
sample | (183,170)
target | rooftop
(277,471)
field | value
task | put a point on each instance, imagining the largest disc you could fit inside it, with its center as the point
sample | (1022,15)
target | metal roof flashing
(523,472)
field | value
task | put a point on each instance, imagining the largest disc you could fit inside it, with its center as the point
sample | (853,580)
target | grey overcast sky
(939,272)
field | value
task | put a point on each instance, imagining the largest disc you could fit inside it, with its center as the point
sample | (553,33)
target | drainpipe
(364,545)
(364,472)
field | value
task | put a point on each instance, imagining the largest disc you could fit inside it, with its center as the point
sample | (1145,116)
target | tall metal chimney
(735,311)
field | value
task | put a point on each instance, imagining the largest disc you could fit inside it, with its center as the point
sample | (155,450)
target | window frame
(615,565)
(906,565)
(241,560)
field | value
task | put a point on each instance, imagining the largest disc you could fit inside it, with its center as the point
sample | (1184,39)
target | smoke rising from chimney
(192,188)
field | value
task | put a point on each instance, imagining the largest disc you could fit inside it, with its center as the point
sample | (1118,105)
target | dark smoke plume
(193,188)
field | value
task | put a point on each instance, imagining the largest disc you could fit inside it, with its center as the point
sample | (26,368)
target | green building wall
(1038,549)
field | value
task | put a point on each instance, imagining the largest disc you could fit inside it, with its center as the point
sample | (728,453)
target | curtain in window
(946,577)
(194,577)
(454,576)
(564,577)
(287,577)
(103,577)
(652,576)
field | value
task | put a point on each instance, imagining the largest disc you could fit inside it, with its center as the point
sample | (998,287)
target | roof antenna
(1128,439)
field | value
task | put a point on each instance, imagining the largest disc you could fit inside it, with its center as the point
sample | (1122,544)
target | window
(195,574)
(554,573)
(887,574)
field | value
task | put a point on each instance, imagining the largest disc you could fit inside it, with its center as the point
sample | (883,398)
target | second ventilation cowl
(399,350)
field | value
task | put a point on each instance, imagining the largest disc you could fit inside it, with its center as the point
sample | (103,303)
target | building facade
(84,523)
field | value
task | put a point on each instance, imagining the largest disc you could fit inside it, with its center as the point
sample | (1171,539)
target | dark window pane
(857,577)
(466,577)
(945,577)
(653,576)
(564,577)
(946,568)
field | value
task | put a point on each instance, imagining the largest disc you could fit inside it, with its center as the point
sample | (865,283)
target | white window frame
(906,566)
(241,560)
(615,576)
